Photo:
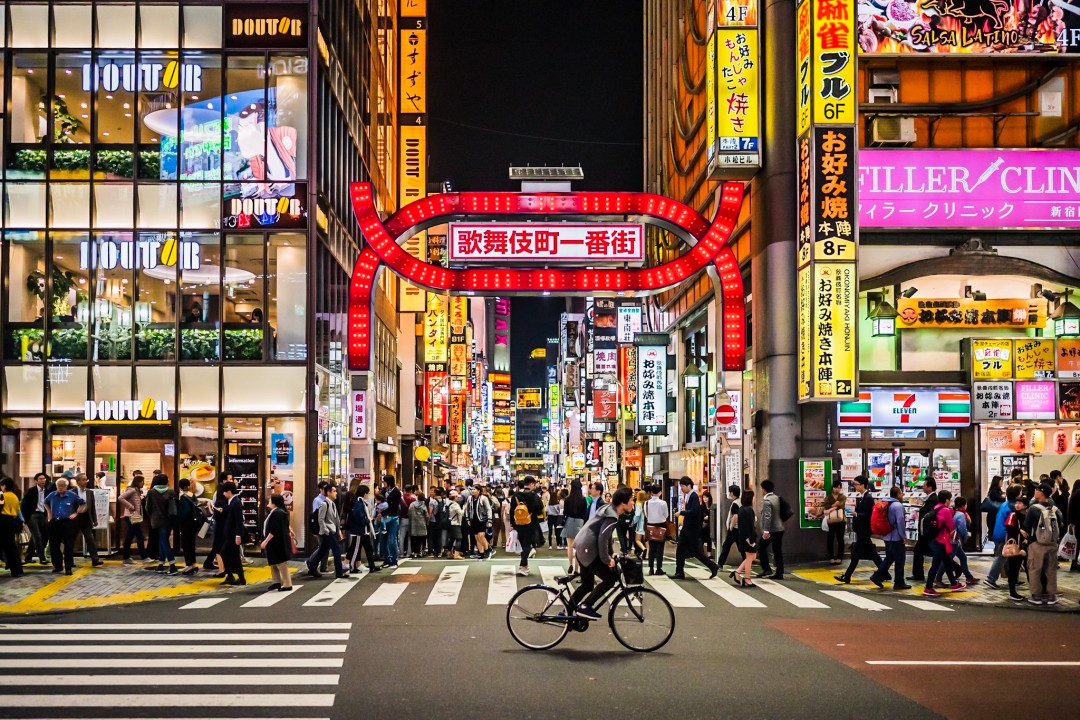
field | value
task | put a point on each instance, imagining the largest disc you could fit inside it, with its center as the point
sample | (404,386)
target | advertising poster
(652,389)
(1035,400)
(815,483)
(991,359)
(1068,359)
(245,472)
(992,400)
(282,447)
(1034,359)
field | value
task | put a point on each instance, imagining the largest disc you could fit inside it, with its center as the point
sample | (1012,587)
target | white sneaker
(523,572)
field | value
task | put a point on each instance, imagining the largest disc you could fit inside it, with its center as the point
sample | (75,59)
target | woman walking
(131,515)
(277,543)
(639,523)
(418,525)
(555,519)
(10,526)
(836,519)
(1016,539)
(575,510)
(161,507)
(188,515)
(707,508)
(454,536)
(748,538)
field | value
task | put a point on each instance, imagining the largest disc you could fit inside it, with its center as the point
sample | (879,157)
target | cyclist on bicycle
(595,556)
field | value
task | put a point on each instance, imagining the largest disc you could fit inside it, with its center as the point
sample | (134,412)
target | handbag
(24,538)
(135,518)
(656,533)
(1012,549)
(292,545)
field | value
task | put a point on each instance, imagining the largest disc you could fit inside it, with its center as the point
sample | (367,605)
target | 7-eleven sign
(890,407)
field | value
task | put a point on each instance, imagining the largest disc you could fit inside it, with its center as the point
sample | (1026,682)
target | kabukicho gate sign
(579,273)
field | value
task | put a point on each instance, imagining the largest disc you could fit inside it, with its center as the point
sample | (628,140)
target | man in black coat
(233,536)
(922,545)
(690,535)
(528,533)
(33,512)
(863,549)
(84,524)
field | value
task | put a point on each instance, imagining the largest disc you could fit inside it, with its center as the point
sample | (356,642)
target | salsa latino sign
(547,242)
(978,188)
(969,27)
(917,313)
(652,389)
(903,408)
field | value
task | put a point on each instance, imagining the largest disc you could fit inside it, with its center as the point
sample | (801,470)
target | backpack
(483,515)
(931,525)
(442,515)
(1047,531)
(522,516)
(313,522)
(879,519)
(785,510)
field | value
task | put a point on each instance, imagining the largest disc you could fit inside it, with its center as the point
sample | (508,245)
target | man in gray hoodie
(593,551)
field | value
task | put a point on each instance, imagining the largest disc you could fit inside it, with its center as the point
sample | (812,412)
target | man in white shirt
(657,515)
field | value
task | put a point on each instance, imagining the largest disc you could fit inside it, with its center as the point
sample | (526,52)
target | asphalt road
(431,642)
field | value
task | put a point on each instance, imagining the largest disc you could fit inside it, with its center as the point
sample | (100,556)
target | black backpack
(313,522)
(442,516)
(930,526)
(785,510)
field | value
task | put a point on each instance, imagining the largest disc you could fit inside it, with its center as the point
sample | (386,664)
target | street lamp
(1066,318)
(882,314)
(691,380)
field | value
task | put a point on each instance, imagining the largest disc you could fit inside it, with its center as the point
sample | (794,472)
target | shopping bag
(1067,548)
(512,543)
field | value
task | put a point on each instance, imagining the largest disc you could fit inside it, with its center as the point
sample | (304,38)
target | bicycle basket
(633,573)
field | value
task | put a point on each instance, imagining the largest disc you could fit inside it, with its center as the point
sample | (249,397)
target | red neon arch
(710,247)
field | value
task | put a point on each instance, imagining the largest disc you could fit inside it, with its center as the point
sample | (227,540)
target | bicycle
(641,619)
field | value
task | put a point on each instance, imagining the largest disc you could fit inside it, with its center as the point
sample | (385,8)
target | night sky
(555,70)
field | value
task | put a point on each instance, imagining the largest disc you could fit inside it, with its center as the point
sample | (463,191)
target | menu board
(1009,462)
(815,483)
(245,472)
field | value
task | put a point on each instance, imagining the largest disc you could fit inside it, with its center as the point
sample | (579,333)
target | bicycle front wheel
(641,619)
(537,617)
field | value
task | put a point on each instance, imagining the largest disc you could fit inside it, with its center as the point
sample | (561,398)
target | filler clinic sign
(551,242)
(963,189)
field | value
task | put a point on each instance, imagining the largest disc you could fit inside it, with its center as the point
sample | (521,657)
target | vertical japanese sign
(458,321)
(436,329)
(651,386)
(412,77)
(826,202)
(500,320)
(628,381)
(412,132)
(359,415)
(734,92)
(435,382)
(455,427)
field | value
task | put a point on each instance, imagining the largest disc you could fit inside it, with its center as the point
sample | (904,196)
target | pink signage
(547,242)
(998,189)
(1035,401)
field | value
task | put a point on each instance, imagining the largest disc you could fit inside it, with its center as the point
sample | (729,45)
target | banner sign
(992,400)
(1036,400)
(629,323)
(266,25)
(970,27)
(1033,359)
(359,414)
(652,389)
(832,344)
(965,189)
(528,398)
(901,408)
(547,242)
(833,59)
(920,313)
(456,424)
(815,484)
(1068,359)
(738,102)
(628,381)
(412,75)
(436,329)
(991,359)
(832,195)
(435,388)
(1023,358)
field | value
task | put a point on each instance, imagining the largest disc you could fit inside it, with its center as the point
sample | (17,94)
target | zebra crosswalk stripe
(787,594)
(448,587)
(926,605)
(269,598)
(333,592)
(858,601)
(737,598)
(388,593)
(676,595)
(502,584)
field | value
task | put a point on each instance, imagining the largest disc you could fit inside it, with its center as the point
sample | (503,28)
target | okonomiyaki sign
(1026,189)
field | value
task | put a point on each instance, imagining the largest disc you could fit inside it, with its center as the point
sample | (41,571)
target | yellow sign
(528,398)
(733,13)
(413,8)
(410,297)
(967,313)
(459,359)
(436,329)
(412,163)
(459,315)
(991,359)
(833,59)
(1034,359)
(710,98)
(806,299)
(802,66)
(738,97)
(835,301)
(412,79)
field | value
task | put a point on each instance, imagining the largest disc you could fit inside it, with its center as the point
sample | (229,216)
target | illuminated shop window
(115,26)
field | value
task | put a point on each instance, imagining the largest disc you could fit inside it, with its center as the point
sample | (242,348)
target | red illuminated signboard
(547,243)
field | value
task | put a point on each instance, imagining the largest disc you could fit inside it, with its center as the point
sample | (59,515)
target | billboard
(529,398)
(547,242)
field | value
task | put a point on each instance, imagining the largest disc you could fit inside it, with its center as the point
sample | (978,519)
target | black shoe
(96,563)
(313,574)
(842,579)
(344,576)
(764,574)
(285,589)
(902,587)
(218,576)
(274,586)
(228,581)
(874,579)
(776,577)
(69,572)
(374,568)
(917,578)
(240,583)
(714,572)
(678,576)
(173,570)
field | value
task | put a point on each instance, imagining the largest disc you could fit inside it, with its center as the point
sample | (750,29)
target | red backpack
(879,519)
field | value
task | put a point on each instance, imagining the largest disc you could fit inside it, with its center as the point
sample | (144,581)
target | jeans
(894,556)
(999,560)
(134,531)
(960,563)
(392,524)
(775,541)
(863,549)
(939,563)
(165,551)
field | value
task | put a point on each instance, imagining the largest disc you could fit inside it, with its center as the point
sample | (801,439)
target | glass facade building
(176,240)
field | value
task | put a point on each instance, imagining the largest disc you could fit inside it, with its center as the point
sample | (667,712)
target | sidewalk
(978,594)
(41,590)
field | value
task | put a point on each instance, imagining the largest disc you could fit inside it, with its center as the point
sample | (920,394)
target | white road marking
(171,637)
(202,603)
(205,648)
(189,662)
(234,700)
(858,601)
(925,605)
(677,596)
(448,586)
(980,663)
(388,593)
(502,584)
(37,627)
(333,592)
(550,572)
(229,680)
(270,598)
(737,598)
(787,594)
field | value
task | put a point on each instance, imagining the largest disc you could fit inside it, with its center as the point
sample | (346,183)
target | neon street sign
(141,254)
(142,77)
(148,411)
(550,242)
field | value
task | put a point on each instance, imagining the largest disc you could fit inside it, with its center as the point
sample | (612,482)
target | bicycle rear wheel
(641,619)
(532,617)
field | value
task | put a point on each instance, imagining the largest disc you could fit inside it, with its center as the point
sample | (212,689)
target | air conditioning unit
(883,95)
(892,130)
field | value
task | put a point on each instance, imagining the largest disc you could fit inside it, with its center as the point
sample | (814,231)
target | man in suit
(772,533)
(690,536)
(596,492)
(863,549)
(33,511)
(922,545)
(84,524)
(233,536)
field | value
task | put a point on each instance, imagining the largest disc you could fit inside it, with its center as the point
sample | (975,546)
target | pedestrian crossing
(492,583)
(277,671)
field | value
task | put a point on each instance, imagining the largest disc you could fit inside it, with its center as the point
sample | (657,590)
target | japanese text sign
(550,243)
(833,62)
(652,387)
(1033,359)
(992,400)
(991,359)
(977,188)
(435,388)
(971,27)
(805,199)
(738,102)
(412,76)
(915,313)
(436,329)
(802,66)
(1068,359)
(359,414)
(736,13)
(629,323)
(833,194)
(1036,400)
(805,314)
(832,343)
(628,380)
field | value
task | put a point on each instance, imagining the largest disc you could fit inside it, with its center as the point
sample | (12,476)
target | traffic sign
(725,415)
